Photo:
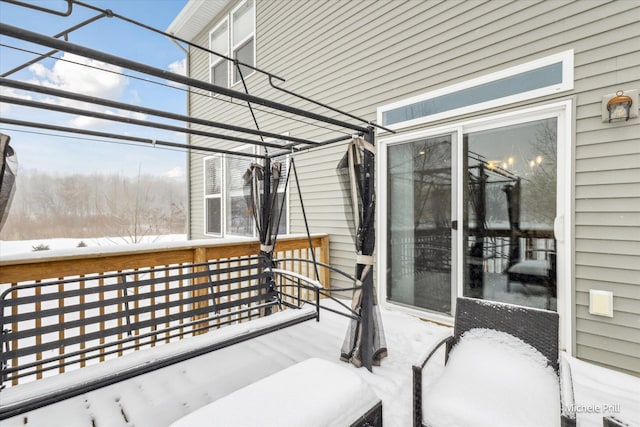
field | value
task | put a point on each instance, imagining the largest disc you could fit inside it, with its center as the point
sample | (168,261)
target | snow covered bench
(16,400)
(312,393)
(502,368)
(76,335)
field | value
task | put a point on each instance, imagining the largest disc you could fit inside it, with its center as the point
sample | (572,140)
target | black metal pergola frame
(61,45)
(290,144)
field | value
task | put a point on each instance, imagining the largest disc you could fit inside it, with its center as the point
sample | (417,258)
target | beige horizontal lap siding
(359,55)
(324,204)
(607,190)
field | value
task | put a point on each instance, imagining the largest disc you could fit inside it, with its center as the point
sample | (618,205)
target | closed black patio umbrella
(8,173)
(261,193)
(364,344)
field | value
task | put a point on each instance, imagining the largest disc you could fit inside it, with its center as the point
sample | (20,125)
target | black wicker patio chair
(613,422)
(538,328)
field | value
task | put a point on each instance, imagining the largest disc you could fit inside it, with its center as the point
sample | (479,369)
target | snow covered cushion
(531,267)
(313,393)
(51,386)
(493,379)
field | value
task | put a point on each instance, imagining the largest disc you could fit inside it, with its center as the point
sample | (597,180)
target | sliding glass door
(475,212)
(509,198)
(419,236)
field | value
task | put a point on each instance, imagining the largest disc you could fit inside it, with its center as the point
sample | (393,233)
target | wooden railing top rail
(81,261)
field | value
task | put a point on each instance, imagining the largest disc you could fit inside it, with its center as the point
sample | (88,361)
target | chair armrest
(567,401)
(613,422)
(417,379)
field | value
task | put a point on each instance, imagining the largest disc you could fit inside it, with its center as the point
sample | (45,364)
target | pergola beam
(149,141)
(30,36)
(15,84)
(129,120)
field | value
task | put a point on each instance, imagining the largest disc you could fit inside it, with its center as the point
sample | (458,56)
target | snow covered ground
(18,247)
(161,397)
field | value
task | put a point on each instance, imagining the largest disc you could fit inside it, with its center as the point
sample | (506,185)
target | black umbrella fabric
(8,173)
(512,191)
(262,199)
(364,343)
(261,193)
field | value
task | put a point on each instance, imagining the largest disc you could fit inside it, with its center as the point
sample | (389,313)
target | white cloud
(87,79)
(176,172)
(39,70)
(135,96)
(179,67)
(6,91)
(85,122)
(82,75)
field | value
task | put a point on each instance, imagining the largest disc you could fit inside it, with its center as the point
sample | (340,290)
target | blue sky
(64,153)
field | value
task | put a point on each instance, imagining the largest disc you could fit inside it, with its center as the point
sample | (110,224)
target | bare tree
(48,205)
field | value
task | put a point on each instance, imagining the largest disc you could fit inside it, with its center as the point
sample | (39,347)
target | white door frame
(562,226)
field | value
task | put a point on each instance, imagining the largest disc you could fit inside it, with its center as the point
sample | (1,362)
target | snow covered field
(18,247)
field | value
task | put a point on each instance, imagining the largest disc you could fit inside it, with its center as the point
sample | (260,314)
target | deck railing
(66,312)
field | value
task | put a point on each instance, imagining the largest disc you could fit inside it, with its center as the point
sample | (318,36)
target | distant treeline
(47,205)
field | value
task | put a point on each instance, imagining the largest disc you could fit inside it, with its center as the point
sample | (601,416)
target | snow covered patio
(161,397)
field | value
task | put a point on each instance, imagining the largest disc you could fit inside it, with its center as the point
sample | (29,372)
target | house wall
(358,55)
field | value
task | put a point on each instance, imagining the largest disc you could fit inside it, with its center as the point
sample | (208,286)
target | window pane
(282,226)
(239,218)
(419,223)
(214,216)
(284,169)
(501,88)
(510,207)
(220,74)
(213,174)
(236,168)
(243,22)
(244,54)
(219,41)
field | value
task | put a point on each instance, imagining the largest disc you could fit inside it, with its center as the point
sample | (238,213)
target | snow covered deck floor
(159,398)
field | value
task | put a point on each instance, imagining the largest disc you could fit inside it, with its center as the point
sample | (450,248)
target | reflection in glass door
(419,245)
(509,192)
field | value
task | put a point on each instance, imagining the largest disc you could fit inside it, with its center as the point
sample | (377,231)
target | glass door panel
(419,255)
(509,195)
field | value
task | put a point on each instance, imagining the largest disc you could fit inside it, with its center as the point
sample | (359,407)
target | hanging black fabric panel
(512,192)
(8,173)
(364,343)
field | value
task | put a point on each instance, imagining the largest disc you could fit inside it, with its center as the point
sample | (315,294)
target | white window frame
(566,58)
(231,48)
(562,227)
(215,59)
(223,196)
(226,196)
(220,195)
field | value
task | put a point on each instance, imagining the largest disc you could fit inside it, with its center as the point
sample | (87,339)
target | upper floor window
(219,42)
(233,36)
